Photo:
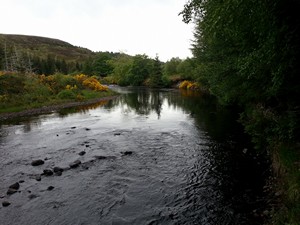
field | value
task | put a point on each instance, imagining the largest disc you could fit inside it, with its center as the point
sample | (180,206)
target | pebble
(81,153)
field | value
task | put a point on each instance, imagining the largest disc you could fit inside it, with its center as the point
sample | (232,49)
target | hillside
(42,47)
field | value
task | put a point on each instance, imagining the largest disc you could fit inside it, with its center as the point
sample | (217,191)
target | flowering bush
(189,85)
(94,84)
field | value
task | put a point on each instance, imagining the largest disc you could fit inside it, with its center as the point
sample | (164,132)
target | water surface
(151,157)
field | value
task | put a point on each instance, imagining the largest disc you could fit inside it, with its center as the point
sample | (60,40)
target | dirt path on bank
(51,108)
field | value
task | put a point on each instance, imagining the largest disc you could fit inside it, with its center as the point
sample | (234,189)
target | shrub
(66,94)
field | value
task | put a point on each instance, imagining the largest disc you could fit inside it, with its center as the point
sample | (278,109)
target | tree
(170,68)
(156,74)
(247,53)
(140,70)
(101,65)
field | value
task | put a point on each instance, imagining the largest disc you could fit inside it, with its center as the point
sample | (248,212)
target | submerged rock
(58,171)
(75,164)
(32,196)
(5,203)
(37,162)
(81,153)
(15,186)
(47,172)
(50,188)
(100,157)
(11,191)
(127,153)
(38,177)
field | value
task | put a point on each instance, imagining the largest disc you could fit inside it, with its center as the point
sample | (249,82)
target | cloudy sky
(132,26)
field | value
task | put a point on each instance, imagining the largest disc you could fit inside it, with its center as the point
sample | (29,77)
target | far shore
(52,108)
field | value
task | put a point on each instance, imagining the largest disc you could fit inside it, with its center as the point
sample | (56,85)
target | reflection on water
(187,162)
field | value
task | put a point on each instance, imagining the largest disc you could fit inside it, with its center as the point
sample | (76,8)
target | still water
(147,157)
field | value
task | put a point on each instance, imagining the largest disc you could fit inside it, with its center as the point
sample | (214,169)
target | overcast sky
(132,26)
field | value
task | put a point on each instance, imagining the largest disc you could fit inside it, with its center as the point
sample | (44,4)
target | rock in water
(58,171)
(15,186)
(11,191)
(38,177)
(127,153)
(75,164)
(37,162)
(50,188)
(5,204)
(48,172)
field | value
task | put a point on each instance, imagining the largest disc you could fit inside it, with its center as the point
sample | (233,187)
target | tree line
(118,68)
(246,53)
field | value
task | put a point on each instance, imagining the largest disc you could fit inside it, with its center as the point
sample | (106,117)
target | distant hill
(41,55)
(42,47)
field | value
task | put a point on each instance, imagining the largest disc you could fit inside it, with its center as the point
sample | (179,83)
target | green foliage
(156,74)
(19,91)
(243,60)
(247,54)
(66,94)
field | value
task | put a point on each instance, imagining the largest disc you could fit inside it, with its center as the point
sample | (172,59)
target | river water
(147,157)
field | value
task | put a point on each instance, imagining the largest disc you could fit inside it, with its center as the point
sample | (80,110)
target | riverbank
(51,108)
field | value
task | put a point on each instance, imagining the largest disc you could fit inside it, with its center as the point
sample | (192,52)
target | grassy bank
(20,91)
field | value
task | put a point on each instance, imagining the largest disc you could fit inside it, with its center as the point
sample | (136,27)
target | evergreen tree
(156,74)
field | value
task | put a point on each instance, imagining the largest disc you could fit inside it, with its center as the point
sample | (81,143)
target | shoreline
(51,108)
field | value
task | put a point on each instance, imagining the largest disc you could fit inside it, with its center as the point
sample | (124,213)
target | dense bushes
(25,91)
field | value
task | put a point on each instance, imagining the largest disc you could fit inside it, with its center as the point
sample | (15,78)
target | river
(147,157)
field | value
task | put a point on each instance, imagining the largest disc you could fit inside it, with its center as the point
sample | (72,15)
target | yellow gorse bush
(94,84)
(90,82)
(70,87)
(188,85)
